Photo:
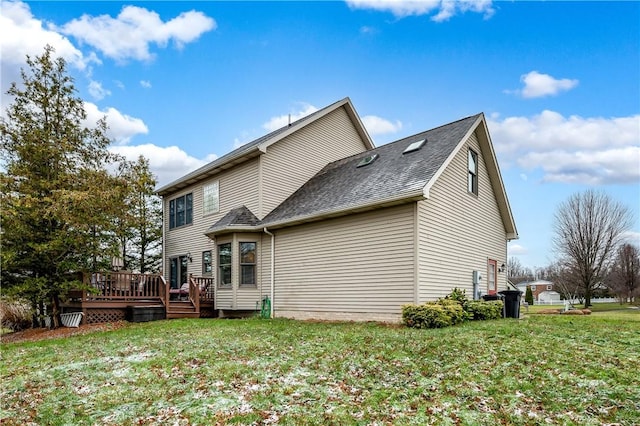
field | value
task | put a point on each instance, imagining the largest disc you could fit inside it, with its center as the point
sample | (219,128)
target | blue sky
(186,82)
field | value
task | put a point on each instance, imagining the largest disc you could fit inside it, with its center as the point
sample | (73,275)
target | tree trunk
(35,318)
(56,320)
(587,298)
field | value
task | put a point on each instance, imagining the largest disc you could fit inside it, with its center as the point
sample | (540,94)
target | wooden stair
(181,309)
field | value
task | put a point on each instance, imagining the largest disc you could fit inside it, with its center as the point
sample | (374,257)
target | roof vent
(368,160)
(414,146)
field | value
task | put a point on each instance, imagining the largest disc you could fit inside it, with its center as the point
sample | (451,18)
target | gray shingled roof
(240,217)
(342,186)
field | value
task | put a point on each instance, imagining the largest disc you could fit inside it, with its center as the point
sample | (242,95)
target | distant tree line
(69,205)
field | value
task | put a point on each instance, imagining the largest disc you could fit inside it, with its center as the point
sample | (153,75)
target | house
(315,218)
(543,291)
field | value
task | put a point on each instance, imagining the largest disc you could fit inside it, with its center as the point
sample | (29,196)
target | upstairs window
(181,211)
(210,198)
(472,182)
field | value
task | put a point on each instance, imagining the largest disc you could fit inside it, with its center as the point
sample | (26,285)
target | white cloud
(166,163)
(122,127)
(516,249)
(145,83)
(129,35)
(593,150)
(368,30)
(631,237)
(282,120)
(21,34)
(587,167)
(379,126)
(444,9)
(97,91)
(537,85)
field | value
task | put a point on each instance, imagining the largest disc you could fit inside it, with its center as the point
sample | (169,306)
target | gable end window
(472,175)
(210,198)
(181,211)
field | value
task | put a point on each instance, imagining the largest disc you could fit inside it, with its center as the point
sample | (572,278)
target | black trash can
(488,297)
(511,303)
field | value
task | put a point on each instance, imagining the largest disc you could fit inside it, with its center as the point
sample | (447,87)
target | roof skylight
(368,160)
(414,146)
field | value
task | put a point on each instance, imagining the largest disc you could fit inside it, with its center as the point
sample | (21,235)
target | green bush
(454,309)
(433,314)
(458,295)
(425,316)
(481,310)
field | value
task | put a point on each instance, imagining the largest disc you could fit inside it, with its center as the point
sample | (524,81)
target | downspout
(273,267)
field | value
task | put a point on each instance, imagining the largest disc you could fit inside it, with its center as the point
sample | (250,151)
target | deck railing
(121,286)
(130,286)
(201,288)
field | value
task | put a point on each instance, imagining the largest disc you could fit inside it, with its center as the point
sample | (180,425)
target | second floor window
(181,211)
(472,184)
(210,198)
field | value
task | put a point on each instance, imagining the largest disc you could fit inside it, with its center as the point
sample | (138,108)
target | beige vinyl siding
(459,232)
(292,161)
(237,186)
(358,263)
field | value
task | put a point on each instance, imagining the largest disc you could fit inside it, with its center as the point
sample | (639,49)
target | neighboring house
(549,297)
(327,226)
(542,290)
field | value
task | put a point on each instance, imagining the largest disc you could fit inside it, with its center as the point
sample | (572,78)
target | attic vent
(414,146)
(368,160)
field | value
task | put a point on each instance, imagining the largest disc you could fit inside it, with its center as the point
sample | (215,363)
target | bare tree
(624,278)
(517,272)
(588,228)
(565,281)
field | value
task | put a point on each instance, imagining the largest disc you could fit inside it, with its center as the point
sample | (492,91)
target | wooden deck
(112,296)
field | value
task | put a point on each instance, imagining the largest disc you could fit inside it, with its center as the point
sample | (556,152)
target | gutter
(273,268)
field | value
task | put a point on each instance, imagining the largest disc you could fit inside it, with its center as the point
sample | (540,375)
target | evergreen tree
(57,197)
(528,296)
(141,231)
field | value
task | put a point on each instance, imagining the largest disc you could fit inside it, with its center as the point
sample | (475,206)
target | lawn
(540,369)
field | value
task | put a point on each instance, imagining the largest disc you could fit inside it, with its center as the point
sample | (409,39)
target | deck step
(181,309)
(175,315)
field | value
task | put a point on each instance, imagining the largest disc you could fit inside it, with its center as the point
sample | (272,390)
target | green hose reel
(265,310)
